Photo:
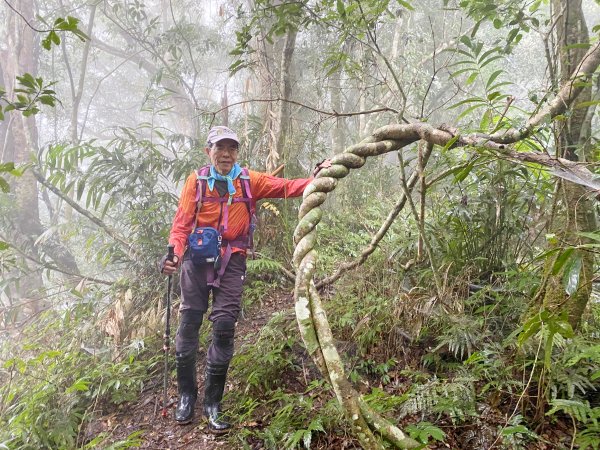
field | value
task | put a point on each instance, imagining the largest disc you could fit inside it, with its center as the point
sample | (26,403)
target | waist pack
(205,246)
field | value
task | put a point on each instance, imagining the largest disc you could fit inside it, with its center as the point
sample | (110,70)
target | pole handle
(170,252)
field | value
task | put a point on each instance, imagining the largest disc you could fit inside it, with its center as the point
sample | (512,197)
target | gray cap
(219,133)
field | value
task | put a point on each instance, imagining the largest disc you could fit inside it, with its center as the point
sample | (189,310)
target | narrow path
(145,415)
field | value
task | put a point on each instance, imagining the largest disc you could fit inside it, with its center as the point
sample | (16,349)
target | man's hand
(322,165)
(169,267)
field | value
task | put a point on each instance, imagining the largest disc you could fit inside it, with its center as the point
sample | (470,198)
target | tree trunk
(335,89)
(573,210)
(281,123)
(22,139)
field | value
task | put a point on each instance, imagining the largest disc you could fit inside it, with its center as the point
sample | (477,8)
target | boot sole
(184,422)
(218,432)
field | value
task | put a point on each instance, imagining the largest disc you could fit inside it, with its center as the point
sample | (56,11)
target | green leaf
(55,37)
(584,45)
(594,236)
(571,278)
(4,245)
(81,385)
(340,8)
(493,77)
(561,260)
(26,80)
(490,60)
(435,432)
(534,7)
(563,328)
(47,100)
(237,65)
(530,327)
(4,186)
(494,95)
(7,167)
(491,51)
(485,120)
(517,429)
(464,102)
(47,41)
(461,71)
(463,173)
(30,111)
(466,41)
(470,110)
(406,5)
(451,142)
(472,78)
(586,104)
(497,85)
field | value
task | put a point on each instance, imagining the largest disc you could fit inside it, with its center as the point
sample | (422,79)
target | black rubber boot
(188,390)
(213,394)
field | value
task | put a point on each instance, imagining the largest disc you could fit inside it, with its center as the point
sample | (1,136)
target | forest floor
(156,432)
(145,415)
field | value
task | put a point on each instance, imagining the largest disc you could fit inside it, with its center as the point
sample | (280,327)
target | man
(223,205)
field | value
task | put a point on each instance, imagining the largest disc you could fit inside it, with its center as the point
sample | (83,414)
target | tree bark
(23,139)
(282,121)
(574,210)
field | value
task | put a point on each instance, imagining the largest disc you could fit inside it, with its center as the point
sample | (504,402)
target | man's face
(223,155)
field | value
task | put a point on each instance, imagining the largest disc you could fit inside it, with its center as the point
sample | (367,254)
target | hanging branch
(131,251)
(52,267)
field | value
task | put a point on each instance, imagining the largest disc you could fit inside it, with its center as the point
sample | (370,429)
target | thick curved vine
(310,314)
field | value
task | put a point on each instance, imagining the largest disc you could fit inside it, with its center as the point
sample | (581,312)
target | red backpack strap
(247,193)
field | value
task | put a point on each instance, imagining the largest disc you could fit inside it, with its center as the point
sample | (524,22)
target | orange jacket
(261,186)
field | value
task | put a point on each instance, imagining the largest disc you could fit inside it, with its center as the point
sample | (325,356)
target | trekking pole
(166,345)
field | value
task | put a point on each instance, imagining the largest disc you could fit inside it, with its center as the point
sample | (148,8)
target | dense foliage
(450,328)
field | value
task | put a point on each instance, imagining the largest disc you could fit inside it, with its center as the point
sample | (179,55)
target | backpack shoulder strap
(247,189)
(247,193)
(201,177)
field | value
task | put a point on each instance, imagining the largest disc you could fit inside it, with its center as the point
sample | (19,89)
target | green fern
(516,436)
(454,398)
(581,411)
(423,431)
(264,265)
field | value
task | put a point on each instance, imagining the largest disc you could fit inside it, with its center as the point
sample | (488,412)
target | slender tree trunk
(281,122)
(335,89)
(78,91)
(224,104)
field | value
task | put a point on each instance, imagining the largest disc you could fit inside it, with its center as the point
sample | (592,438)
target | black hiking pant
(226,306)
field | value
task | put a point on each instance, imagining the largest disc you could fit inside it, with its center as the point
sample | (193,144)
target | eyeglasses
(218,147)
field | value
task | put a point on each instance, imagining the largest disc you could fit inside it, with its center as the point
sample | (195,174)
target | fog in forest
(451,281)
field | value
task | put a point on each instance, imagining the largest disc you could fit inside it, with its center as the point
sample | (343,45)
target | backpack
(245,242)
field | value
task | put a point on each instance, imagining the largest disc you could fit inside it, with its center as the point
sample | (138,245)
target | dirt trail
(163,433)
